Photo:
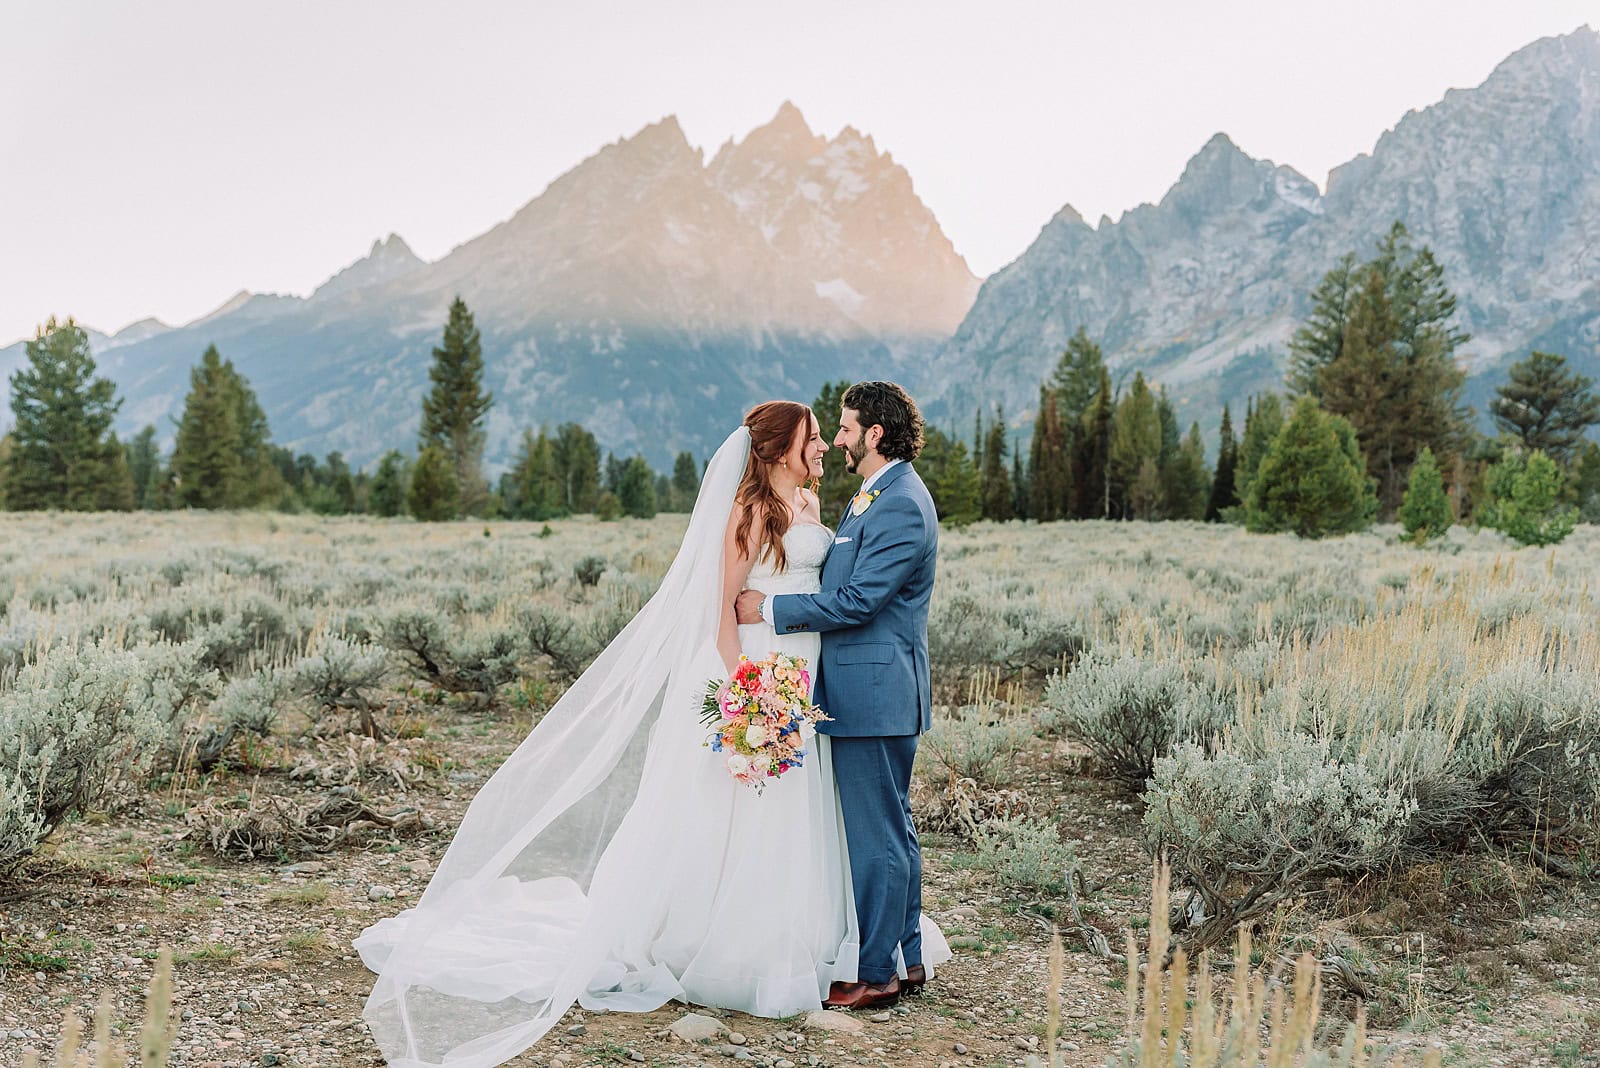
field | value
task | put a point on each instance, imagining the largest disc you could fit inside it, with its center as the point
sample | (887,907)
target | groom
(873,680)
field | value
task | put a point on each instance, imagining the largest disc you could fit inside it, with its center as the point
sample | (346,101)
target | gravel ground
(1495,966)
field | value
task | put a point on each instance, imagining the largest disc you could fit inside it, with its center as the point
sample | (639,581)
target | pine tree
(1425,510)
(1313,480)
(1135,439)
(613,475)
(144,467)
(1077,377)
(1186,484)
(433,494)
(1525,499)
(577,456)
(1394,376)
(454,410)
(63,453)
(533,488)
(1091,462)
(1167,462)
(1019,486)
(5,465)
(1262,421)
(636,488)
(952,478)
(1320,339)
(387,496)
(994,474)
(1586,483)
(1223,494)
(838,485)
(206,458)
(1050,489)
(116,491)
(1546,406)
(685,482)
(608,508)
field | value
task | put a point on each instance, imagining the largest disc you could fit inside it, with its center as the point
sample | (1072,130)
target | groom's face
(853,438)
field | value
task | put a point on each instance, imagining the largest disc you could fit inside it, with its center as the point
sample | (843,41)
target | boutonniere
(862,501)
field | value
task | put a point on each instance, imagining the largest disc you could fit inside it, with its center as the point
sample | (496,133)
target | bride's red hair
(773,427)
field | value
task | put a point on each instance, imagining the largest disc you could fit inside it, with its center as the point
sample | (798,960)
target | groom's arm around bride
(874,676)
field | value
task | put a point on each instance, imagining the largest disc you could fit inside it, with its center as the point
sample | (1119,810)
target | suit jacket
(873,613)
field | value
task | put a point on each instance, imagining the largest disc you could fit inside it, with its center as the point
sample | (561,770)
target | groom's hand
(747,606)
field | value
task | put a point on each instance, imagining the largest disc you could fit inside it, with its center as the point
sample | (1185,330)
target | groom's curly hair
(885,404)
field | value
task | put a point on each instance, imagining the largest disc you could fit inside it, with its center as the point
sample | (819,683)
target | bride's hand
(747,607)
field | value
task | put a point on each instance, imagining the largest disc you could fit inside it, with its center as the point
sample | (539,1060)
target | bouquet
(761,717)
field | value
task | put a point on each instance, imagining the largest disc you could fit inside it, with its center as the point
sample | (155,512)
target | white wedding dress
(614,862)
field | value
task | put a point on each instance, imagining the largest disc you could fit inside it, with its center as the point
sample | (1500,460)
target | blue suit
(874,682)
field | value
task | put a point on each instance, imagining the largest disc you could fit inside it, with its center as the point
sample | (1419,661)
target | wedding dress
(613,861)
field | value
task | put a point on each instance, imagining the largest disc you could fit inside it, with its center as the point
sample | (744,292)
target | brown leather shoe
(916,978)
(863,995)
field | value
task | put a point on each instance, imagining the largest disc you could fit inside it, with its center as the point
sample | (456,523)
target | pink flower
(730,703)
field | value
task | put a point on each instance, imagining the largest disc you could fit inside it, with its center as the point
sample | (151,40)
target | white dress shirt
(866,487)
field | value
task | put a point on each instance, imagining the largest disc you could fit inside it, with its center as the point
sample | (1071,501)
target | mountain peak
(389,258)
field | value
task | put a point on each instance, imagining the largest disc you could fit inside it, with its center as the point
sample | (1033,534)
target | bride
(612,860)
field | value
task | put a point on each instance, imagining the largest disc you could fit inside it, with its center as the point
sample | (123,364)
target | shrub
(74,726)
(1247,833)
(1026,854)
(1425,510)
(477,662)
(554,636)
(433,494)
(588,570)
(251,702)
(1313,480)
(1525,500)
(968,634)
(980,743)
(337,676)
(1130,711)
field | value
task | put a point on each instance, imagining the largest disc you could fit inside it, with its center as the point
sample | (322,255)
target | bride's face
(805,453)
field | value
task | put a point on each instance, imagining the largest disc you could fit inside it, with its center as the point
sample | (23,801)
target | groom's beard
(855,452)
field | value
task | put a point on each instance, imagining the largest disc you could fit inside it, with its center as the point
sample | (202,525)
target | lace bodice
(807,545)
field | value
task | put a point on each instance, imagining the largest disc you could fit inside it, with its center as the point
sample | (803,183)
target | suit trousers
(874,777)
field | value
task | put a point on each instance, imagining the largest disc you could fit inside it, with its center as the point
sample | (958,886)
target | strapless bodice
(806,545)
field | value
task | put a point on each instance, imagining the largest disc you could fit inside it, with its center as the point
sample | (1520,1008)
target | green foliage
(1312,481)
(1136,440)
(1185,482)
(433,495)
(1050,463)
(1091,455)
(387,495)
(969,636)
(454,410)
(1379,350)
(74,725)
(1275,820)
(993,473)
(63,453)
(1224,493)
(221,459)
(951,478)
(685,482)
(1586,482)
(144,468)
(1525,500)
(1546,406)
(1129,712)
(636,490)
(577,459)
(609,508)
(1425,511)
(979,742)
(534,487)
(1263,419)
(1026,854)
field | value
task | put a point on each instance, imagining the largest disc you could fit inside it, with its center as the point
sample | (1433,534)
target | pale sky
(158,156)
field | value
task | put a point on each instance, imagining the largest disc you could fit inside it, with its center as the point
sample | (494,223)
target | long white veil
(508,934)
